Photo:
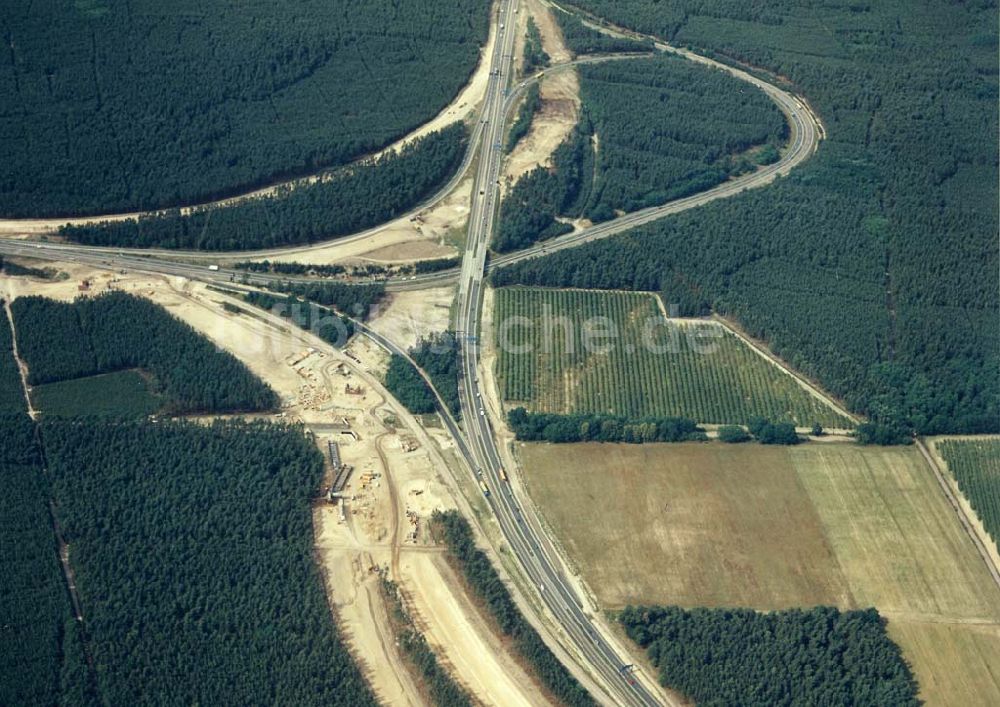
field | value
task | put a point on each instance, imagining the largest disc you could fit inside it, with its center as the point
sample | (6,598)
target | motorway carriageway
(478,446)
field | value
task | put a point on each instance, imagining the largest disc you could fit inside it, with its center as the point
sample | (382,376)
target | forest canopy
(111,106)
(115,331)
(581,39)
(193,557)
(11,390)
(651,130)
(42,660)
(797,657)
(349,200)
(873,266)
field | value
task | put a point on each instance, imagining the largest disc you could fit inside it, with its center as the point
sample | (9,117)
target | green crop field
(651,367)
(123,393)
(905,91)
(975,464)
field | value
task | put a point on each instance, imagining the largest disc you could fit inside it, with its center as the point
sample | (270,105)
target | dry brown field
(768,528)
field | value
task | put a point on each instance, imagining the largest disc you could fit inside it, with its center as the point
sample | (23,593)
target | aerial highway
(537,560)
(477,442)
(805,133)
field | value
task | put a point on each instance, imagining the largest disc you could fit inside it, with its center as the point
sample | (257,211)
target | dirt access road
(408,478)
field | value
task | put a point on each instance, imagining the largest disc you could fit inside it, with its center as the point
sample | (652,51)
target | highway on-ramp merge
(537,559)
(478,445)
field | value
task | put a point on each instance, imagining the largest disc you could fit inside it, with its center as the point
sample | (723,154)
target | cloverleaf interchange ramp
(538,561)
(805,133)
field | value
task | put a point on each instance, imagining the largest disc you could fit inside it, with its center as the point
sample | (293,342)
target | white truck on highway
(213,268)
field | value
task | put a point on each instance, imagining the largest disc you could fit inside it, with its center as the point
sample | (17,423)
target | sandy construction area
(552,39)
(553,122)
(476,657)
(560,94)
(400,474)
(412,315)
(433,233)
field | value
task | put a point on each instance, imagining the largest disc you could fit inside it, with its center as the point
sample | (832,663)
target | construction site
(385,476)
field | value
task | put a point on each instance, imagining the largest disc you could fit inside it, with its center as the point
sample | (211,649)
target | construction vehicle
(485,488)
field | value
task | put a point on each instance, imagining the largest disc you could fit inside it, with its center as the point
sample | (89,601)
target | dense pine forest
(581,39)
(115,331)
(651,130)
(490,590)
(437,356)
(406,385)
(873,266)
(11,391)
(114,106)
(203,588)
(42,661)
(816,656)
(118,394)
(668,127)
(350,200)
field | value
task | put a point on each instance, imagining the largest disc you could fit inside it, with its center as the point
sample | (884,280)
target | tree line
(535,57)
(443,689)
(793,657)
(406,385)
(491,592)
(360,301)
(870,268)
(321,322)
(14,269)
(116,331)
(437,356)
(349,200)
(204,589)
(580,427)
(121,110)
(581,39)
(315,270)
(651,150)
(525,116)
